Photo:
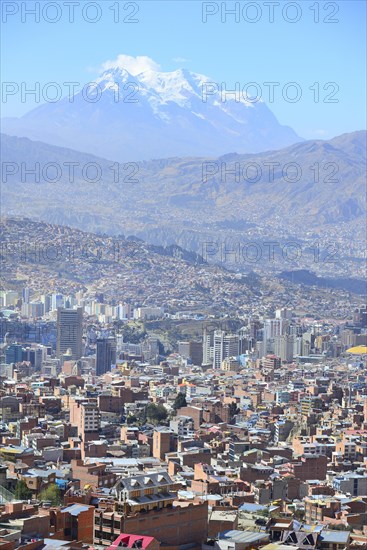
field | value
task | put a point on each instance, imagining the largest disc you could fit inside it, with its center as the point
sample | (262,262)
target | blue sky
(174,35)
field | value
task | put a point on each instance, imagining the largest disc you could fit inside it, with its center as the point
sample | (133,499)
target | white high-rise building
(26,295)
(297,350)
(148,312)
(46,299)
(57,300)
(224,346)
(207,347)
(274,327)
(122,311)
(284,347)
(8,298)
(283,313)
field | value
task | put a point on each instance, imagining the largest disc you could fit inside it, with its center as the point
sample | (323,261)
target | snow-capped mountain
(154,114)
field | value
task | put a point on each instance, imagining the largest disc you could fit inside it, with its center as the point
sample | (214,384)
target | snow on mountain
(179,87)
(154,114)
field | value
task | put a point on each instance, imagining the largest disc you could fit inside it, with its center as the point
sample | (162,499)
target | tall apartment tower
(14,354)
(106,355)
(89,422)
(86,416)
(57,300)
(69,331)
(224,346)
(207,347)
(26,293)
(284,347)
(192,350)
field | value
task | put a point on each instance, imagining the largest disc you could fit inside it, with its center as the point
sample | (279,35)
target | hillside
(49,258)
(313,190)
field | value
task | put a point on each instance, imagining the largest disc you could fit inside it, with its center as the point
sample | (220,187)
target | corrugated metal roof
(278,546)
(75,509)
(250,507)
(242,536)
(336,537)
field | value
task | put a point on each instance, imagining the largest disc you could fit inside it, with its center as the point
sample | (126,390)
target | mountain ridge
(153,114)
(168,202)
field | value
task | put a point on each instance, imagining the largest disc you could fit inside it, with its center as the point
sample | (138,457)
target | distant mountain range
(305,277)
(154,115)
(313,190)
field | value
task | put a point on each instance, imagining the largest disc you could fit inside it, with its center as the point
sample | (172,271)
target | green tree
(52,494)
(339,527)
(265,513)
(21,491)
(131,419)
(156,413)
(142,416)
(130,333)
(299,515)
(180,401)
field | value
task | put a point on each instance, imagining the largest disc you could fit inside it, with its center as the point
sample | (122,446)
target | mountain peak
(144,112)
(115,74)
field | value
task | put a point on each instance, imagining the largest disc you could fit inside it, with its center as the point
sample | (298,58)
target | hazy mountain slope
(206,204)
(330,186)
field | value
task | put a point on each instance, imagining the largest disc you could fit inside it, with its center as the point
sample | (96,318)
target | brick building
(164,441)
(309,467)
(75,522)
(173,526)
(92,475)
